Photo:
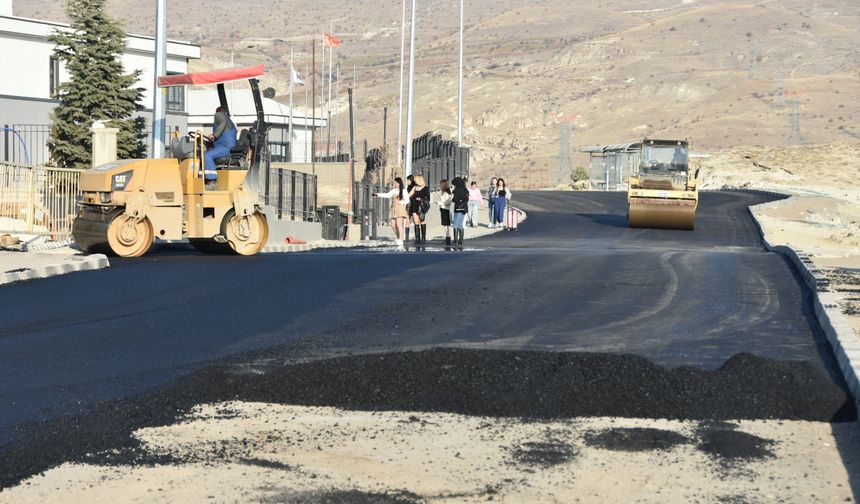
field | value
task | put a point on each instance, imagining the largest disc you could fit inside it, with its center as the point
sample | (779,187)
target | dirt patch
(732,446)
(346,497)
(513,384)
(635,439)
(543,453)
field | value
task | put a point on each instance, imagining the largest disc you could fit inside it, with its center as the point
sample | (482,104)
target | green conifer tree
(97,89)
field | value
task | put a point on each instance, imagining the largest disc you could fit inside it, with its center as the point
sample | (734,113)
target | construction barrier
(38,200)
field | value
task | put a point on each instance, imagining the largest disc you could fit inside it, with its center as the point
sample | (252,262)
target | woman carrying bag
(419,198)
(445,209)
(460,199)
(503,196)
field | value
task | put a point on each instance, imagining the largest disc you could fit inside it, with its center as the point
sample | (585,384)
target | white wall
(26,55)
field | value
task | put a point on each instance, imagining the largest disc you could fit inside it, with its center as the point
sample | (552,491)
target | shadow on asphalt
(606,219)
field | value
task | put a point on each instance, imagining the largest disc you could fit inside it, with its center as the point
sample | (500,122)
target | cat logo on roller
(663,193)
(126,204)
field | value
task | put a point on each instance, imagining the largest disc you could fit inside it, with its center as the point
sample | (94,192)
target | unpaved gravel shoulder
(240,452)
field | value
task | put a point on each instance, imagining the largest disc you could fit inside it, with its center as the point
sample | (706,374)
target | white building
(32,76)
(203,102)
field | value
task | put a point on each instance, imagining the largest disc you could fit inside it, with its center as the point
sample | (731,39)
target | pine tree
(98,88)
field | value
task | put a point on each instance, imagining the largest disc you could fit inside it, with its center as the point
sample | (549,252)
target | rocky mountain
(721,73)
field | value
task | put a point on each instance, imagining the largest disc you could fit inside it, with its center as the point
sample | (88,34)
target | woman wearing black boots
(461,208)
(419,204)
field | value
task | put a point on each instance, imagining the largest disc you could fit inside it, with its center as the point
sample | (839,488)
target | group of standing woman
(454,202)
(410,203)
(498,196)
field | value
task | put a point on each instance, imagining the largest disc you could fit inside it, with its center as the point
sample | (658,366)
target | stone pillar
(104,144)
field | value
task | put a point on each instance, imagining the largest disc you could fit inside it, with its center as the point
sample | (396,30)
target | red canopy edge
(213,77)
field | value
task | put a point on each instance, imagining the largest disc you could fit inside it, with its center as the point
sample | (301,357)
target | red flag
(331,40)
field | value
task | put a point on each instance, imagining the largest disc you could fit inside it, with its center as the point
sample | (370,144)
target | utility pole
(411,98)
(159,99)
(306,113)
(460,91)
(794,136)
(564,163)
(351,158)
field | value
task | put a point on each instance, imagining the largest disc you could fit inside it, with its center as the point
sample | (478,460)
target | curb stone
(72,264)
(330,244)
(840,335)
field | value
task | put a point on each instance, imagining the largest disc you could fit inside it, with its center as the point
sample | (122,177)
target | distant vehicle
(127,203)
(663,193)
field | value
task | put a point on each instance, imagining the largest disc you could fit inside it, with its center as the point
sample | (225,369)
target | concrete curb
(71,264)
(840,335)
(329,244)
(324,244)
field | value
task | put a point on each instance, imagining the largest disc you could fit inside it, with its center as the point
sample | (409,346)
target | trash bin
(330,222)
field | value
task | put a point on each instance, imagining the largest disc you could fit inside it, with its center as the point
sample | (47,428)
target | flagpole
(411,95)
(290,129)
(306,112)
(400,105)
(337,116)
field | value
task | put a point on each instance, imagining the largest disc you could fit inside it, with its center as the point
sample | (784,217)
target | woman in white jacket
(399,199)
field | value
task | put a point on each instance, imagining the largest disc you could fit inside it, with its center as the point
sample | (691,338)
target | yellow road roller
(127,203)
(663,192)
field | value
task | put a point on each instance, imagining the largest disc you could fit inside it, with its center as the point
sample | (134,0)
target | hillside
(721,73)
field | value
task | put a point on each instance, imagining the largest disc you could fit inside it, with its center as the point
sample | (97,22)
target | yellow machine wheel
(128,237)
(246,235)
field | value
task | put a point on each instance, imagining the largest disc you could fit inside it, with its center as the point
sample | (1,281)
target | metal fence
(363,201)
(38,200)
(438,159)
(293,194)
(25,144)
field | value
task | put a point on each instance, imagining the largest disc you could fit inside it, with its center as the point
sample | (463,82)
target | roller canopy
(213,77)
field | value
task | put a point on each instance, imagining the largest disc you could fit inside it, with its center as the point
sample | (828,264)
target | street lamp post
(159,100)
(460,87)
(400,104)
(411,98)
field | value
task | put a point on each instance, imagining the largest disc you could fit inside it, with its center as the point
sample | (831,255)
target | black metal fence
(437,159)
(366,206)
(293,194)
(25,144)
(326,152)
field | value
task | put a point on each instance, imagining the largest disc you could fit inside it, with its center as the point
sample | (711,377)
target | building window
(175,97)
(54,77)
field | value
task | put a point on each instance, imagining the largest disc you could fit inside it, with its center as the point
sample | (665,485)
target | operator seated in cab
(223,139)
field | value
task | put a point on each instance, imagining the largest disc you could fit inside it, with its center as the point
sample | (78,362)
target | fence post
(293,195)
(31,198)
(6,143)
(280,194)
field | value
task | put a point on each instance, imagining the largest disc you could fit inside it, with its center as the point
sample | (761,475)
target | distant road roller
(128,203)
(664,192)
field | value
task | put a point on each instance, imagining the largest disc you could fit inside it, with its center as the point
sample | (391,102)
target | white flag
(297,78)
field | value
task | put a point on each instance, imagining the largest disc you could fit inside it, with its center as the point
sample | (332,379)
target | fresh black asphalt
(574,278)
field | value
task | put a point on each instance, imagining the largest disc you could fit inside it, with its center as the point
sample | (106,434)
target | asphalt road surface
(573,278)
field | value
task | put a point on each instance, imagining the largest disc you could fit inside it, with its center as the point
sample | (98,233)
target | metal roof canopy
(213,77)
(623,147)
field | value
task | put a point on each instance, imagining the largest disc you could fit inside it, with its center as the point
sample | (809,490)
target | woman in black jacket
(419,204)
(461,208)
